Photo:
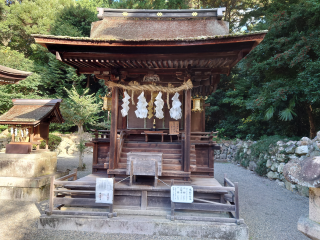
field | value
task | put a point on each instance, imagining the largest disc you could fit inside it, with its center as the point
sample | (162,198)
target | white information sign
(104,190)
(182,194)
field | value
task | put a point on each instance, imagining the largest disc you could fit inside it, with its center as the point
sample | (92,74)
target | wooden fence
(61,196)
(229,202)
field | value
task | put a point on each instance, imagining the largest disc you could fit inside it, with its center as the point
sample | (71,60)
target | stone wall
(69,143)
(274,159)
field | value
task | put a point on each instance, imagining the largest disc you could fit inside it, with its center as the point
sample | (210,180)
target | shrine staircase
(172,163)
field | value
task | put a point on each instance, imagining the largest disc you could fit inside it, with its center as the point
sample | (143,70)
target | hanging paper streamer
(125,104)
(11,131)
(159,106)
(175,111)
(27,132)
(150,107)
(21,132)
(15,132)
(142,104)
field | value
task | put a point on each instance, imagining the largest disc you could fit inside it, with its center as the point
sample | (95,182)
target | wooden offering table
(159,133)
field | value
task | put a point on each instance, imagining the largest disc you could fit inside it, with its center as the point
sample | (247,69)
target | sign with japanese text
(173,127)
(182,194)
(104,190)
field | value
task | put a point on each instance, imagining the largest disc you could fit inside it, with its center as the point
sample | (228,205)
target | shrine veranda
(144,52)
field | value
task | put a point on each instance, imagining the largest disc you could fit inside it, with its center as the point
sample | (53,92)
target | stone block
(269,164)
(314,204)
(273,175)
(280,167)
(290,149)
(309,228)
(252,165)
(274,167)
(302,150)
(36,164)
(146,226)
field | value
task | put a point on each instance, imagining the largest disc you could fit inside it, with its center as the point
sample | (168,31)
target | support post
(51,194)
(187,131)
(113,130)
(236,201)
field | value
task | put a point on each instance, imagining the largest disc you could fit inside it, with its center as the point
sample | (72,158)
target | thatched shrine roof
(32,112)
(10,75)
(177,45)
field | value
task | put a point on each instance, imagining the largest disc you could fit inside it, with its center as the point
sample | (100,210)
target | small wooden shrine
(10,75)
(29,120)
(163,63)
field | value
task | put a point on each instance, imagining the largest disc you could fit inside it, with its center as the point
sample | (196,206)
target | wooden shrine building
(166,47)
(142,54)
(10,75)
(29,121)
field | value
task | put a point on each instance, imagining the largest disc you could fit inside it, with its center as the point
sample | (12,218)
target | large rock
(302,150)
(290,149)
(305,173)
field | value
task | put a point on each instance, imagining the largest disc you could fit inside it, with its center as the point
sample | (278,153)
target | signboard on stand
(104,190)
(182,194)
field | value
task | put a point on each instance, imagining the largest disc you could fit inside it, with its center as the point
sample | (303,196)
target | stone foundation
(26,177)
(146,225)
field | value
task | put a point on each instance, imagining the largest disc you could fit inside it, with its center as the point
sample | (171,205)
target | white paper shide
(182,194)
(142,104)
(104,190)
(159,106)
(175,111)
(125,104)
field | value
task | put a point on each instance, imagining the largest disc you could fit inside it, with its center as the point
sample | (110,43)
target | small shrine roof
(32,112)
(10,75)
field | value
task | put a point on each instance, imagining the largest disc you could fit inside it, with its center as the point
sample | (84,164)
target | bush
(62,128)
(3,127)
(53,142)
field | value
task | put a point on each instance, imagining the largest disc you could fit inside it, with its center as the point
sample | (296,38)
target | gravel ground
(270,211)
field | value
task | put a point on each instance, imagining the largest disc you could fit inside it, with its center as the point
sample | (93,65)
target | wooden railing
(100,133)
(61,196)
(226,204)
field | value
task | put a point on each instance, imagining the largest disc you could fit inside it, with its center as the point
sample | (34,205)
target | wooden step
(165,161)
(167,151)
(164,173)
(153,145)
(165,156)
(175,167)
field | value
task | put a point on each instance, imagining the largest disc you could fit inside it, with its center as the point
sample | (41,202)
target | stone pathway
(270,211)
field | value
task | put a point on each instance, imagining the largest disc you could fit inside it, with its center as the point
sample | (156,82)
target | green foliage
(80,108)
(53,142)
(3,127)
(150,4)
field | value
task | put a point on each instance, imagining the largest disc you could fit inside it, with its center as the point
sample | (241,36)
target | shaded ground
(270,211)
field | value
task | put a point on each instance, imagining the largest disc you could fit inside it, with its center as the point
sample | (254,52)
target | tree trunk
(80,167)
(311,122)
(88,81)
(80,129)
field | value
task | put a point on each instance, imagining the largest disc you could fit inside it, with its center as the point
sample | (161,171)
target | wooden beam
(113,130)
(187,130)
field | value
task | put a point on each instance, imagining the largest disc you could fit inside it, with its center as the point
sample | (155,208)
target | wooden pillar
(113,130)
(187,130)
(13,135)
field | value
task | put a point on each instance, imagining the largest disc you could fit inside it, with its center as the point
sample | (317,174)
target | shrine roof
(10,75)
(97,41)
(32,112)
